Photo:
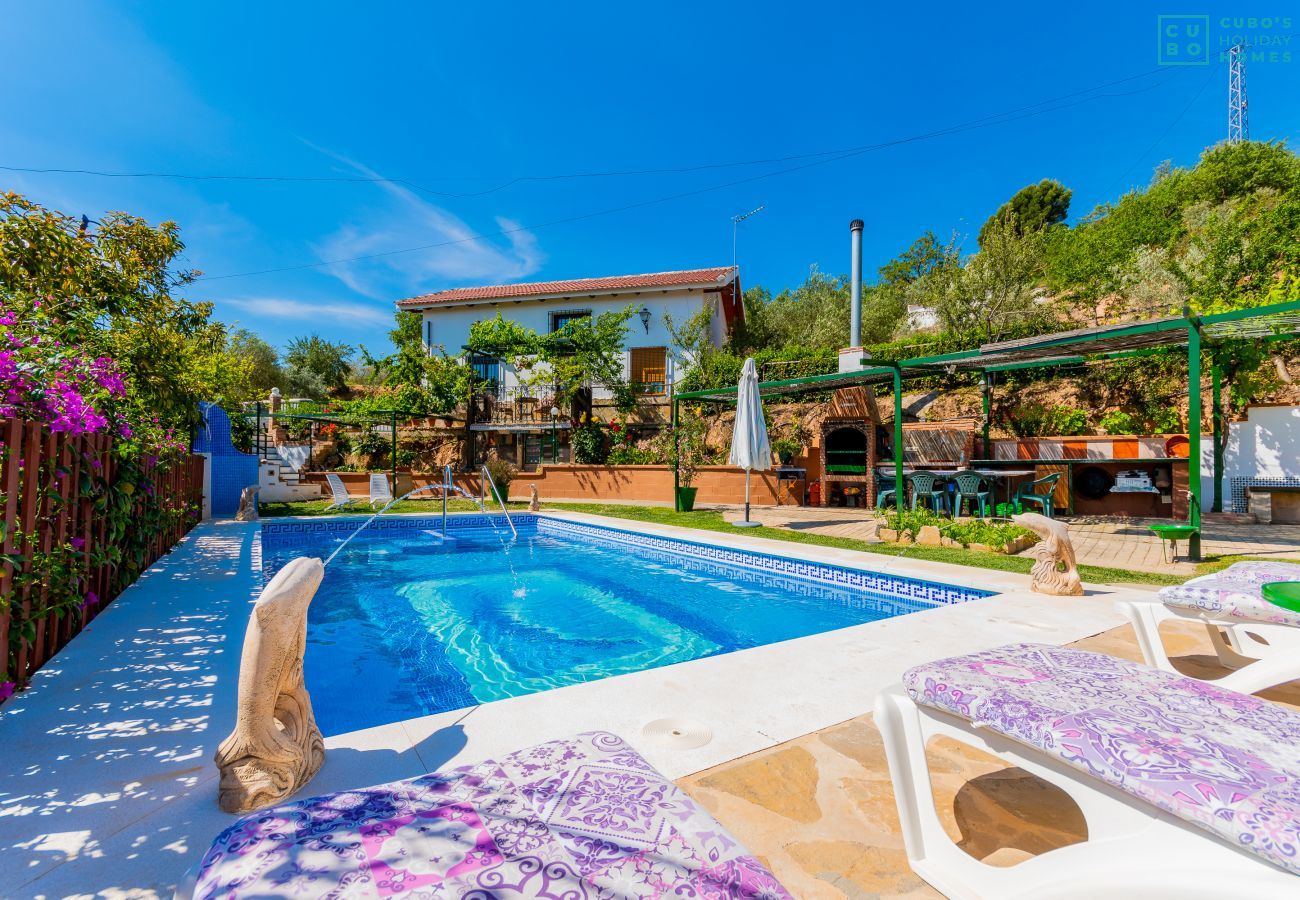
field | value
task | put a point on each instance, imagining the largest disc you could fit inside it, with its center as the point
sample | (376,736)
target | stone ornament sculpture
(534,504)
(1055,572)
(276,747)
(248,504)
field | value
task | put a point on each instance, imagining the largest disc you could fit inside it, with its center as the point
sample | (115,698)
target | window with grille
(560,318)
(486,369)
(649,370)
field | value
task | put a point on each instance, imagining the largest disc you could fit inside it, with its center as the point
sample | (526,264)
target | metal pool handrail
(446,486)
(487,479)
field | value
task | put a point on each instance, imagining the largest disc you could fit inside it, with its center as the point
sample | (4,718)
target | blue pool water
(403,626)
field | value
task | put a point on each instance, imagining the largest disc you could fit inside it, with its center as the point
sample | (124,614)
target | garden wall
(602,484)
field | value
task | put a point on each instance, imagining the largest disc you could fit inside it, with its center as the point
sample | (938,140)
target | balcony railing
(650,388)
(517,406)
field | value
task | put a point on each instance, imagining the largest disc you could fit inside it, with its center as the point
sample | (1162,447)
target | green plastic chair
(883,493)
(924,487)
(1028,494)
(970,488)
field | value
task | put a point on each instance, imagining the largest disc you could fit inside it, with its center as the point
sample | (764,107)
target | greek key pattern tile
(908,588)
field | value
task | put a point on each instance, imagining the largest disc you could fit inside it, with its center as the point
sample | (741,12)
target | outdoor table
(998,476)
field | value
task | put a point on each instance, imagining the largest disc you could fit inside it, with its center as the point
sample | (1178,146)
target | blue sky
(462,99)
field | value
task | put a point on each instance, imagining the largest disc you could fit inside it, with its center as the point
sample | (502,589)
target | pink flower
(78,543)
(6,690)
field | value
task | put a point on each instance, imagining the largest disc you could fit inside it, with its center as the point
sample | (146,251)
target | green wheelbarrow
(1170,535)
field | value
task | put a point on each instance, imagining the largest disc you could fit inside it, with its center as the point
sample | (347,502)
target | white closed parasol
(749,445)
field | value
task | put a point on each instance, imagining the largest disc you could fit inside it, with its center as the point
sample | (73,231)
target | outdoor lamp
(645,318)
(555,412)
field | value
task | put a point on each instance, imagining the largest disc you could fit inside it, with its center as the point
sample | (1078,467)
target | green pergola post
(1194,436)
(898,439)
(987,394)
(1216,413)
(677,449)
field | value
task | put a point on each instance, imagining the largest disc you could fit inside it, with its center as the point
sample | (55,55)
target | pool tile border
(292,531)
(840,576)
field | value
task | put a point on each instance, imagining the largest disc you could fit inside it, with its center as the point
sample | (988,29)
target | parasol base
(743,524)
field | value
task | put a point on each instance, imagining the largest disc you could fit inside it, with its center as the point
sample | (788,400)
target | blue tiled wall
(231,470)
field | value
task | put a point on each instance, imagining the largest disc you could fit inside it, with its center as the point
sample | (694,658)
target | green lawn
(711,520)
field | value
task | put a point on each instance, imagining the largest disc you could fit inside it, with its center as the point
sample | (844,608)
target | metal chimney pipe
(855,285)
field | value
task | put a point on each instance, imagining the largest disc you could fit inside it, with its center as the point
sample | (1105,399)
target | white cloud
(406,220)
(309,312)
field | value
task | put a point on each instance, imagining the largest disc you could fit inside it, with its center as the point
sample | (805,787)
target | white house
(546,306)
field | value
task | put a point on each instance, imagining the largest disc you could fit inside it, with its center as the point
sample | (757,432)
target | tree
(815,314)
(330,363)
(884,312)
(587,349)
(995,289)
(1034,207)
(591,348)
(261,360)
(757,331)
(113,292)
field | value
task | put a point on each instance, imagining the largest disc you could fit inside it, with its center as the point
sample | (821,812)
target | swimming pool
(406,626)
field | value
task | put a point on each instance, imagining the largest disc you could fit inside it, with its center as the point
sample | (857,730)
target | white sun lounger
(379,490)
(1259,641)
(1188,790)
(339,491)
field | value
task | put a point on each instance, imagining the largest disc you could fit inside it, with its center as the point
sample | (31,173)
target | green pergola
(1067,348)
(385,417)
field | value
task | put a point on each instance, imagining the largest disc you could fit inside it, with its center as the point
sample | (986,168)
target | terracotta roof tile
(613,284)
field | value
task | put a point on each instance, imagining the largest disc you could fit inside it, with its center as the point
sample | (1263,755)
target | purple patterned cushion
(1235,592)
(584,817)
(1226,762)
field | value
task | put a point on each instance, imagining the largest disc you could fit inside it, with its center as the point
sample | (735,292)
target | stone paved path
(819,810)
(830,522)
(1130,544)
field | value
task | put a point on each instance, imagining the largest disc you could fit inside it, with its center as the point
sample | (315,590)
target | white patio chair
(1259,641)
(379,491)
(339,491)
(1188,790)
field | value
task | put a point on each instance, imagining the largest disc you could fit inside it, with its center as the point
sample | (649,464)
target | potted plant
(502,473)
(786,449)
(686,451)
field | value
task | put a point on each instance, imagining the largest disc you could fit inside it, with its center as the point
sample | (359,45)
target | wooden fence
(53,491)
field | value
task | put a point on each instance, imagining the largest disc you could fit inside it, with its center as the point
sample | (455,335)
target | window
(486,368)
(563,317)
(649,370)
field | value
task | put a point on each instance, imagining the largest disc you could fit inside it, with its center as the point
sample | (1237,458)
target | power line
(1164,134)
(1002,118)
(615,173)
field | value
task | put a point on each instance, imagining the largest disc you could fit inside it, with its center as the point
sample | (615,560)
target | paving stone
(830,828)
